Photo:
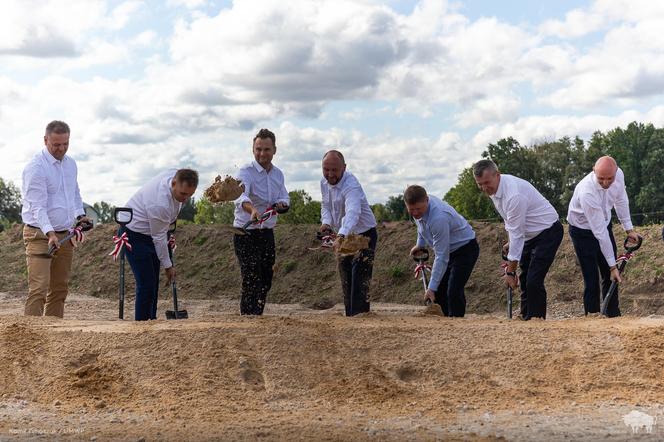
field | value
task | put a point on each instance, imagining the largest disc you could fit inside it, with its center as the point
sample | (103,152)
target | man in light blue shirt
(453,240)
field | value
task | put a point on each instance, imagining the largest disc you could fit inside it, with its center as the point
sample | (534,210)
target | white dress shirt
(345,207)
(51,197)
(525,211)
(590,209)
(155,210)
(262,189)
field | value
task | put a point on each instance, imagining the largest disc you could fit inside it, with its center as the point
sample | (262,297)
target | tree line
(553,167)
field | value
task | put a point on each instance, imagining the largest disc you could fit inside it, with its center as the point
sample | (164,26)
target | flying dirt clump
(353,244)
(227,189)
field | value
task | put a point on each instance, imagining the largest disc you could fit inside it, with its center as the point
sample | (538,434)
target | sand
(301,374)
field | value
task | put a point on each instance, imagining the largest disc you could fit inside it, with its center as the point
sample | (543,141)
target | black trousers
(593,267)
(355,272)
(451,295)
(536,259)
(256,255)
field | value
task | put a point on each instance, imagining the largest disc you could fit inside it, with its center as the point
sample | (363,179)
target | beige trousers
(48,278)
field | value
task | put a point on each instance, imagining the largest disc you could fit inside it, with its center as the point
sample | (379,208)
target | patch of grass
(396,271)
(289,266)
(200,240)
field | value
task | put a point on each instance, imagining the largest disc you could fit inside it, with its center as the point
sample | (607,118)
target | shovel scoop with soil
(421,257)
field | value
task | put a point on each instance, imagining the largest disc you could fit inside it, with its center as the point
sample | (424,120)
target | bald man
(589,218)
(345,210)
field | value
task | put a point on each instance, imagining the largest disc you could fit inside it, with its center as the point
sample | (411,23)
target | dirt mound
(300,374)
(208,269)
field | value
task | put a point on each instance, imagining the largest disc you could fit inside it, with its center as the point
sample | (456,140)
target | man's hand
(615,275)
(429,294)
(250,209)
(633,236)
(511,281)
(281,207)
(325,228)
(85,222)
(170,274)
(415,249)
(53,241)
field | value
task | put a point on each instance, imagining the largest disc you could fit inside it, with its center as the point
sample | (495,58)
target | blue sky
(410,91)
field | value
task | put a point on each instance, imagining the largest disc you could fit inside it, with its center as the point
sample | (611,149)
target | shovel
(622,262)
(175,313)
(421,257)
(269,213)
(85,226)
(122,216)
(509,291)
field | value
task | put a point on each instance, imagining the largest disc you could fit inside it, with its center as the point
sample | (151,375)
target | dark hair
(188,176)
(266,133)
(414,194)
(58,127)
(337,153)
(482,165)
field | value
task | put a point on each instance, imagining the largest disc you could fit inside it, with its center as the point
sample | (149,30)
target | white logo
(638,420)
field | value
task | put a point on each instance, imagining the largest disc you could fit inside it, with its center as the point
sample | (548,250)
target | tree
(396,208)
(10,203)
(303,209)
(380,212)
(188,210)
(209,213)
(468,200)
(105,211)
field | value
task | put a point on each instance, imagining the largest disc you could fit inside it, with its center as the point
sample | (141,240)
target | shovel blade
(180,314)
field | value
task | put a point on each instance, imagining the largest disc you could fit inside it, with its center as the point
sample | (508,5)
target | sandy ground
(300,374)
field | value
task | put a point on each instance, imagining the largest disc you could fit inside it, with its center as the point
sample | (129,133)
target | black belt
(57,231)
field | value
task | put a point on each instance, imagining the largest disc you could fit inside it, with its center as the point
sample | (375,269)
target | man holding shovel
(155,207)
(534,232)
(589,217)
(51,204)
(345,210)
(453,240)
(264,195)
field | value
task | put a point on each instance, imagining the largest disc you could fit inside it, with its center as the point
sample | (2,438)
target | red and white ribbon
(78,236)
(171,243)
(119,241)
(269,213)
(421,268)
(626,257)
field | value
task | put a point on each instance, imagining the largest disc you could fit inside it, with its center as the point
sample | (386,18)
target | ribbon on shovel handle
(119,242)
(421,268)
(171,243)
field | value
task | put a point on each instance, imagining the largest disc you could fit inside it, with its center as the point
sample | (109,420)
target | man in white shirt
(534,232)
(156,206)
(51,204)
(589,218)
(345,209)
(453,240)
(264,189)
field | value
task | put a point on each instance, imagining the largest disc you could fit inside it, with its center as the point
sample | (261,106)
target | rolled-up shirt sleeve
(515,224)
(353,208)
(36,194)
(325,214)
(595,215)
(440,231)
(245,177)
(159,223)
